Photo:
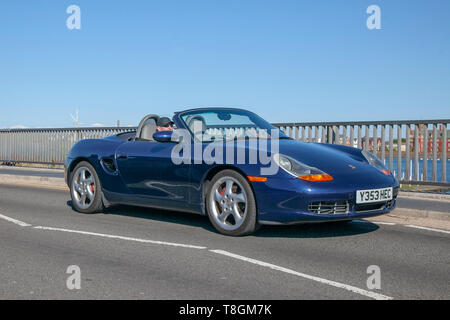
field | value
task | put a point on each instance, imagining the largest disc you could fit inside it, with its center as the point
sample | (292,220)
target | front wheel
(231,205)
(85,189)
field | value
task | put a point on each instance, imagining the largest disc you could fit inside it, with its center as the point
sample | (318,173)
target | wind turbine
(75,119)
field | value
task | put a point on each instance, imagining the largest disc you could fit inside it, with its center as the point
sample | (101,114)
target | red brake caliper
(93,187)
(222,194)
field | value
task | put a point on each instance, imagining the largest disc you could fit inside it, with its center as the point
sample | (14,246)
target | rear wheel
(231,205)
(85,189)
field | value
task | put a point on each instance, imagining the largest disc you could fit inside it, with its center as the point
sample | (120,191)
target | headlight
(300,170)
(374,161)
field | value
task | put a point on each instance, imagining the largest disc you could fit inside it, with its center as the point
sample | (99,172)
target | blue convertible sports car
(231,165)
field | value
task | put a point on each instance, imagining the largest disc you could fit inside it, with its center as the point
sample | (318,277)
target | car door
(150,175)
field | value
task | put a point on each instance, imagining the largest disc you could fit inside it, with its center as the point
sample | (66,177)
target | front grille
(375,206)
(390,204)
(369,206)
(395,193)
(329,207)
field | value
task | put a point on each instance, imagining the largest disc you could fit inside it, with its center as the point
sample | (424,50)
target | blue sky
(286,60)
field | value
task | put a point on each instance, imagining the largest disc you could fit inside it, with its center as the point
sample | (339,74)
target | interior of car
(146,128)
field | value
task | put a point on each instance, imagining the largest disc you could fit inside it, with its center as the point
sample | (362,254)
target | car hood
(332,159)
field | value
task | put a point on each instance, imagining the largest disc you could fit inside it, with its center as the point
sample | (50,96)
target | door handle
(122,156)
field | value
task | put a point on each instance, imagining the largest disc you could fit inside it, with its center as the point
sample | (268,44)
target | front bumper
(308,217)
(67,163)
(290,202)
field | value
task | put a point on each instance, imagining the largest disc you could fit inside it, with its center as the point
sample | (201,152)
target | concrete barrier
(33,181)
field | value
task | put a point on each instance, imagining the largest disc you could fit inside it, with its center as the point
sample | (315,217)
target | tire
(85,189)
(231,205)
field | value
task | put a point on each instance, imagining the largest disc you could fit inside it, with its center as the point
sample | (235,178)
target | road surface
(135,253)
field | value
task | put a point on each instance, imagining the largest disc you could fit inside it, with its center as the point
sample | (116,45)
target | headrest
(148,130)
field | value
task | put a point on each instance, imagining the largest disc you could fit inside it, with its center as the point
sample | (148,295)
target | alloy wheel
(228,203)
(83,187)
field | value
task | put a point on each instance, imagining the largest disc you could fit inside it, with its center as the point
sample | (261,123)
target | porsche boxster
(216,162)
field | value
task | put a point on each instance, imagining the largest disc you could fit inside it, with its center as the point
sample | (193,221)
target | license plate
(374,195)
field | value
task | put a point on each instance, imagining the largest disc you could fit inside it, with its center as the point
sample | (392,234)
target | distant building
(421,139)
(371,143)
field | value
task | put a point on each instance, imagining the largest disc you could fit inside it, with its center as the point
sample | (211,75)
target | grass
(421,188)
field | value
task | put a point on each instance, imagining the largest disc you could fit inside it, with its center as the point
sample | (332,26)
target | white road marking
(429,229)
(354,289)
(357,290)
(121,237)
(18,222)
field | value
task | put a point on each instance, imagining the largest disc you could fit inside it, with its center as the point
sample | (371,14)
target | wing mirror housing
(164,136)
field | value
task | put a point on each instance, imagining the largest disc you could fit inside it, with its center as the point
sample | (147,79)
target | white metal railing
(415,150)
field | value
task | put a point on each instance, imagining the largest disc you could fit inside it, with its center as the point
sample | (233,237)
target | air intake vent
(375,206)
(390,204)
(108,164)
(329,207)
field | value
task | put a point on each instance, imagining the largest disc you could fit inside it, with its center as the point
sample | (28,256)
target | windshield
(213,125)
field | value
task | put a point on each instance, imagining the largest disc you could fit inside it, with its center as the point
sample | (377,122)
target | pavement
(140,253)
(38,177)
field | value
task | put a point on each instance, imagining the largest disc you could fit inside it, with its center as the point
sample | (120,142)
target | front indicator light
(317,177)
(257,179)
(386,172)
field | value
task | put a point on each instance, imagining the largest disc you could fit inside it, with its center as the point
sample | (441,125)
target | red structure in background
(371,147)
(421,138)
(421,141)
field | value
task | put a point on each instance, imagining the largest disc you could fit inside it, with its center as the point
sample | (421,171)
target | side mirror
(163,136)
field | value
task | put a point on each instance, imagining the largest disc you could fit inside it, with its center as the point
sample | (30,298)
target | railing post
(335,134)
(416,152)
(344,134)
(383,142)
(352,135)
(375,139)
(399,151)
(434,165)
(391,147)
(358,143)
(367,138)
(444,152)
(330,134)
(408,150)
(425,152)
